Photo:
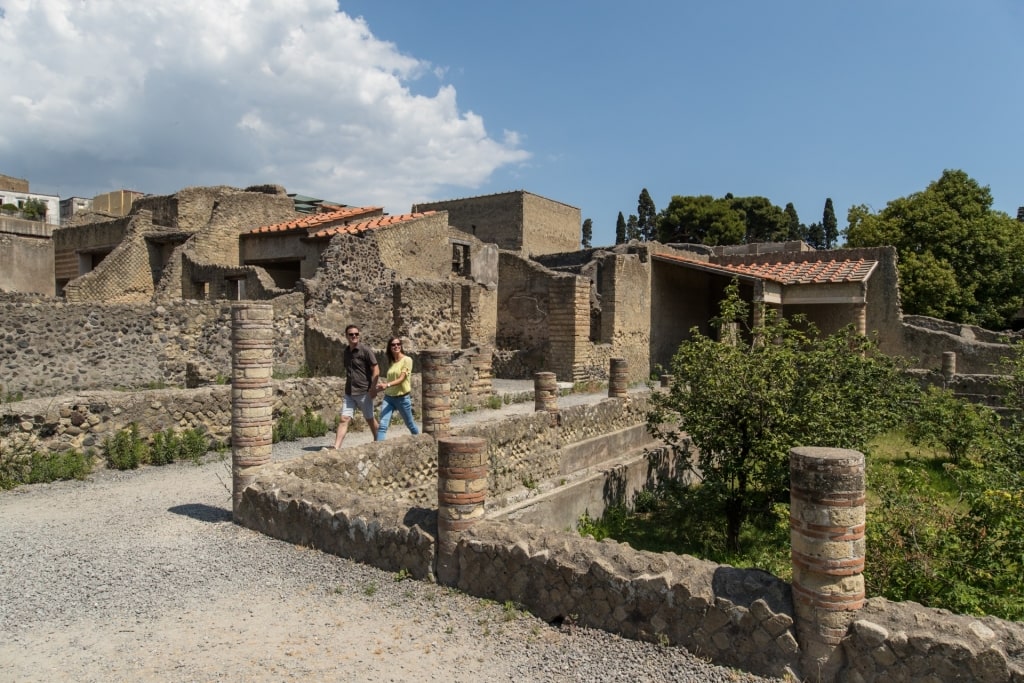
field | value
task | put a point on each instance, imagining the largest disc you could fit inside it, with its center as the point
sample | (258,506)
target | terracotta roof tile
(372,224)
(791,272)
(318,220)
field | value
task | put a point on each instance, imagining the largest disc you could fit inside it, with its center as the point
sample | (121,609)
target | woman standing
(397,387)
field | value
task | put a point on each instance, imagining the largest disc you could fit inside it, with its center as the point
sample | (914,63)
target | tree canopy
(742,404)
(959,259)
(727,220)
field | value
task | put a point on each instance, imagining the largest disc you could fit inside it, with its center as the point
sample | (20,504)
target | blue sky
(583,102)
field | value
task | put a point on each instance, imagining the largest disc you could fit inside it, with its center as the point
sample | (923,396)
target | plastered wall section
(625,286)
(48,347)
(26,264)
(496,218)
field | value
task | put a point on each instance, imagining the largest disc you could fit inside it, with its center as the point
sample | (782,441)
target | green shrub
(19,466)
(164,447)
(125,450)
(290,428)
(70,464)
(194,445)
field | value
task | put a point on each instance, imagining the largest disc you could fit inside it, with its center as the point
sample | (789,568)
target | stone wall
(549,227)
(745,618)
(83,420)
(50,347)
(978,351)
(26,263)
(517,221)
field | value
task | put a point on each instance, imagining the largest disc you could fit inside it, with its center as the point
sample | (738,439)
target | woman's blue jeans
(403,404)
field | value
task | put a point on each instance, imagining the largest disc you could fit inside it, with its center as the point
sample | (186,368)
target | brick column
(618,378)
(461,494)
(545,392)
(252,393)
(435,365)
(862,318)
(827,517)
(483,373)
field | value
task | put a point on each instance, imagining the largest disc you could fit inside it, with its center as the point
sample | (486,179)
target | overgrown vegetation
(737,407)
(945,477)
(289,428)
(19,466)
(126,450)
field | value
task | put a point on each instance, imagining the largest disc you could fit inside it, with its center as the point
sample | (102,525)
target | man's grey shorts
(362,401)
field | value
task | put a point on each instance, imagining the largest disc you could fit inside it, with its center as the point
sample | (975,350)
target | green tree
(959,259)
(794,230)
(829,225)
(700,220)
(588,233)
(728,220)
(632,228)
(34,209)
(737,407)
(620,230)
(647,216)
(763,221)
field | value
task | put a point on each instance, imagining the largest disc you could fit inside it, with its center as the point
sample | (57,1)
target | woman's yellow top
(394,372)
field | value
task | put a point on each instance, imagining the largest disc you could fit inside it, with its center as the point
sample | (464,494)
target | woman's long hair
(391,356)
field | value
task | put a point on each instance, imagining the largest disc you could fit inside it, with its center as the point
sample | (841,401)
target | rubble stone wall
(50,347)
(83,420)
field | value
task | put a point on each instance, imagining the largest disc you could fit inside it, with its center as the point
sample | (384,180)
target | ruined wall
(219,215)
(84,420)
(126,274)
(549,227)
(496,218)
(524,299)
(50,347)
(978,351)
(418,249)
(86,237)
(625,287)
(26,264)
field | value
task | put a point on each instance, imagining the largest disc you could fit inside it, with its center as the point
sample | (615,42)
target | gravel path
(142,576)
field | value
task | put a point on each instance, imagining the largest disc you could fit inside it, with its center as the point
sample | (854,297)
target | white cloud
(160,95)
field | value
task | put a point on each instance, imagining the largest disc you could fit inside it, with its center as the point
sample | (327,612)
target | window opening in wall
(235,289)
(474,230)
(200,290)
(460,259)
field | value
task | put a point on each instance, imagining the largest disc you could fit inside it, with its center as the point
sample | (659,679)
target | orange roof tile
(790,272)
(317,220)
(372,224)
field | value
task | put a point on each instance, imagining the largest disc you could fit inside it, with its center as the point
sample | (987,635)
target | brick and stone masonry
(827,519)
(252,393)
(461,494)
(437,391)
(545,392)
(618,378)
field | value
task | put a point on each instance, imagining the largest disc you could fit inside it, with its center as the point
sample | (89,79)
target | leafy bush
(164,447)
(168,446)
(70,464)
(961,427)
(290,428)
(17,467)
(125,450)
(194,445)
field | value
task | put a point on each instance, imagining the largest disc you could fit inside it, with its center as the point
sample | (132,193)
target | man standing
(361,372)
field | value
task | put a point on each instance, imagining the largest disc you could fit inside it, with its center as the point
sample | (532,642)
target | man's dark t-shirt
(359,366)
